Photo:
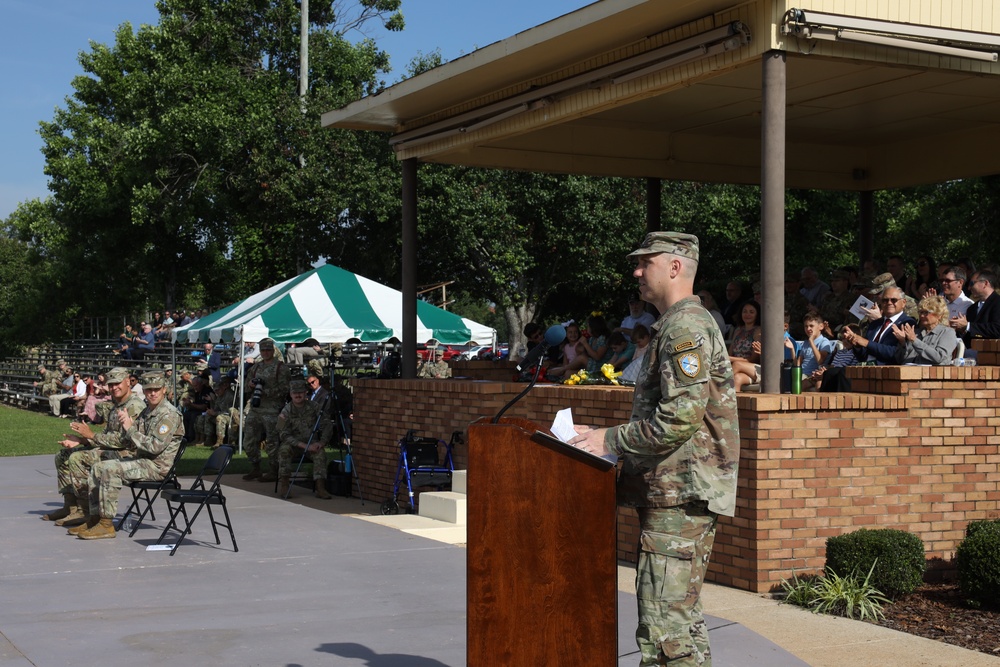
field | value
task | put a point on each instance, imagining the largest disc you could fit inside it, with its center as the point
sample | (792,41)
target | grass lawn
(27,433)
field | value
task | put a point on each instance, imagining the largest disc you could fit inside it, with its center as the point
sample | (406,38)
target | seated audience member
(596,347)
(142,344)
(622,350)
(741,346)
(194,404)
(637,314)
(879,342)
(73,404)
(125,341)
(836,306)
(66,389)
(796,304)
(923,279)
(49,382)
(97,392)
(214,362)
(572,357)
(982,319)
(932,341)
(830,376)
(708,301)
(813,289)
(815,349)
(250,355)
(302,431)
(641,338)
(153,437)
(969,267)
(434,366)
(952,282)
(301,353)
(747,371)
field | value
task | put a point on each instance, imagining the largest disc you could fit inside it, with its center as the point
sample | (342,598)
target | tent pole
(239,376)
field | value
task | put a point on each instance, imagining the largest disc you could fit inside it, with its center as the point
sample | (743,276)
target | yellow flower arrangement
(609,372)
(576,378)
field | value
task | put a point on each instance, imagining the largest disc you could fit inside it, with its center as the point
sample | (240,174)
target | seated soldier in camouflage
(85,448)
(153,437)
(213,424)
(302,430)
(49,382)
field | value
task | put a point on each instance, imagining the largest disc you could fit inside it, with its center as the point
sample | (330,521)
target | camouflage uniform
(73,465)
(434,369)
(262,421)
(680,452)
(295,425)
(834,306)
(50,383)
(153,441)
(215,422)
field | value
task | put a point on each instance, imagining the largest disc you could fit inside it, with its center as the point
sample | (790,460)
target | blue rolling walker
(421,463)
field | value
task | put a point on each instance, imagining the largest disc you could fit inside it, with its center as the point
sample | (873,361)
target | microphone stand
(534,379)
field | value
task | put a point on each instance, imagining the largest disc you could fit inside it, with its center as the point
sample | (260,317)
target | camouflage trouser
(674,548)
(63,478)
(204,427)
(107,477)
(261,427)
(78,471)
(288,460)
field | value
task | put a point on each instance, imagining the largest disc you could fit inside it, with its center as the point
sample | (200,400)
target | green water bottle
(796,379)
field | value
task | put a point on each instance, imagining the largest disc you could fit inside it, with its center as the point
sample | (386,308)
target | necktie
(885,325)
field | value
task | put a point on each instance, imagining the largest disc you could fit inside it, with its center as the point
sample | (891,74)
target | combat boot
(271,475)
(90,522)
(283,484)
(69,504)
(74,518)
(254,473)
(103,529)
(320,491)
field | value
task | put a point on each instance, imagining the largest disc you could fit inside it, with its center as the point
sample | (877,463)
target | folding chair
(177,499)
(140,493)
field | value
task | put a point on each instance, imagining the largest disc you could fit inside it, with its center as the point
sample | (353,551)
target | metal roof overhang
(858,116)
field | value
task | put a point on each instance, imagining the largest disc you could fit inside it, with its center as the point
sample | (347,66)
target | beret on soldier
(117,375)
(154,380)
(674,243)
(297,386)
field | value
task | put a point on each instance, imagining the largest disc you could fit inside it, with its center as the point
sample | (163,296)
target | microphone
(554,335)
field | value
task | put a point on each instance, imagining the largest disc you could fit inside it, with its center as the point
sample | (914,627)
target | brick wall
(922,454)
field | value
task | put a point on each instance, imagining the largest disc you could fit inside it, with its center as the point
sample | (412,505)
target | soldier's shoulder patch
(689,364)
(163,429)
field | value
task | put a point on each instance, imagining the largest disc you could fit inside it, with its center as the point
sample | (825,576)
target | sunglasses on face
(891,300)
(948,281)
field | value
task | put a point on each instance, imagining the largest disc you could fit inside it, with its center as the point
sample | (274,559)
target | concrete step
(447,506)
(458,481)
(421,526)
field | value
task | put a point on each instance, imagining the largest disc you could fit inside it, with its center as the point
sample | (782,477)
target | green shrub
(895,558)
(979,564)
(841,596)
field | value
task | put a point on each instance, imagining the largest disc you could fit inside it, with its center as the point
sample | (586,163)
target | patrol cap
(298,386)
(882,282)
(41,367)
(117,375)
(154,380)
(266,344)
(674,243)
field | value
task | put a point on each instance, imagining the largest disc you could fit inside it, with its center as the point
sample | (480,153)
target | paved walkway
(318,587)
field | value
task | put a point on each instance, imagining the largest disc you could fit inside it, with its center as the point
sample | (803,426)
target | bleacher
(97,355)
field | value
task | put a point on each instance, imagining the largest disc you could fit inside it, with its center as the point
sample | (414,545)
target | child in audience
(623,350)
(640,338)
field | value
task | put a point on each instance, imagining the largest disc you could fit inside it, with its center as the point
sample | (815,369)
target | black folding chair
(140,494)
(178,499)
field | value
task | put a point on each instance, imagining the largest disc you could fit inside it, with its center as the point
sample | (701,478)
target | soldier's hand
(590,440)
(70,441)
(82,430)
(125,419)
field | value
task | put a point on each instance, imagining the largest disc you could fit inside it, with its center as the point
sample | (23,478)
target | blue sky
(40,40)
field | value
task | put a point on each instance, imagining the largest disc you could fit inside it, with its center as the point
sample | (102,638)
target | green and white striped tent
(333,306)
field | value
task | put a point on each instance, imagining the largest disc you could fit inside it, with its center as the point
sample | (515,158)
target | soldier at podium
(679,452)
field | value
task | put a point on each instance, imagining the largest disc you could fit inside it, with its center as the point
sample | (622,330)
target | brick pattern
(923,455)
(988,350)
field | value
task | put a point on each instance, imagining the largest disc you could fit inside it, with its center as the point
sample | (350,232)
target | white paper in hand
(858,309)
(562,425)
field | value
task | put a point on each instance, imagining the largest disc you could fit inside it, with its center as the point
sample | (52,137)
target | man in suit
(982,319)
(879,343)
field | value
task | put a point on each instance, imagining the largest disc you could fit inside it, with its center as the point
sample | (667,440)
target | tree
(186,143)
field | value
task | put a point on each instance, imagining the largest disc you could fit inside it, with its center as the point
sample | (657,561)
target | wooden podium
(542,538)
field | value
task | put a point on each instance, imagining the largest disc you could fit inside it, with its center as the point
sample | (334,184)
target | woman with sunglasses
(932,342)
